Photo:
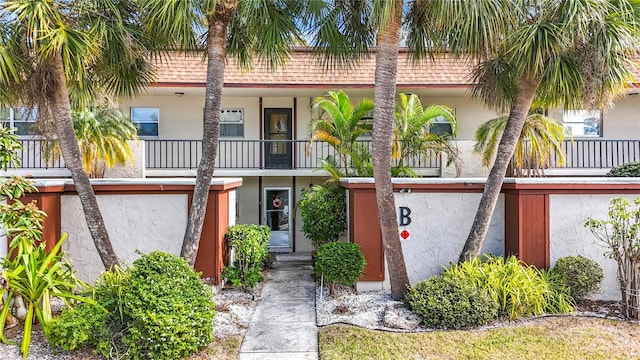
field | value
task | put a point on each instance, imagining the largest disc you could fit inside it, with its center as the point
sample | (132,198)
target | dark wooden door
(277,133)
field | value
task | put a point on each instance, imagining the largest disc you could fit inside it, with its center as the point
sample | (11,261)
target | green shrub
(109,292)
(582,275)
(340,263)
(447,302)
(625,170)
(171,310)
(76,328)
(250,244)
(324,213)
(519,290)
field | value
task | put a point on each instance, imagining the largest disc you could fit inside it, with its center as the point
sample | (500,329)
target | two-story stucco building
(265,129)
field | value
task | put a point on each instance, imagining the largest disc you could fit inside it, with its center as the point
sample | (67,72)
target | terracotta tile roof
(305,70)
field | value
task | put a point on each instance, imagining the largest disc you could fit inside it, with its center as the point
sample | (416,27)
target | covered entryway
(277,215)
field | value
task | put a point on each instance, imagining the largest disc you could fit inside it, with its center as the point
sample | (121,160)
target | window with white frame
(232,123)
(147,119)
(441,126)
(583,123)
(21,118)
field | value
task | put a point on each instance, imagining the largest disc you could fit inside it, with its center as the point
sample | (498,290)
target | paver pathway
(284,324)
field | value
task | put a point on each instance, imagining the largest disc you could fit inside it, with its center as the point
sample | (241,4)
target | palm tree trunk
(216,53)
(60,111)
(506,148)
(384,98)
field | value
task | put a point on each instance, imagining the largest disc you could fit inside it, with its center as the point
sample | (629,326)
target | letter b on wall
(404,216)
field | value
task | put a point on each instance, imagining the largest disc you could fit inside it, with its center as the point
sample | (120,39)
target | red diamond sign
(404,234)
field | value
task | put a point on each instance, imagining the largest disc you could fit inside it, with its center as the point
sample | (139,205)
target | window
(583,123)
(147,120)
(231,123)
(441,126)
(21,118)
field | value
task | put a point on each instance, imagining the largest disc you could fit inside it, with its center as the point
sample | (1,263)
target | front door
(277,133)
(277,215)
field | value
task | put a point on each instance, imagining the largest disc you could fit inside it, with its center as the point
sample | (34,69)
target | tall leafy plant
(59,55)
(33,275)
(250,245)
(339,123)
(323,209)
(102,134)
(413,136)
(540,138)
(621,234)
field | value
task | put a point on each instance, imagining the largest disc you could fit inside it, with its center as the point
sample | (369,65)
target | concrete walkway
(284,324)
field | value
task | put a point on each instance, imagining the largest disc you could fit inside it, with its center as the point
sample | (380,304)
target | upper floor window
(232,123)
(441,126)
(147,120)
(21,118)
(583,123)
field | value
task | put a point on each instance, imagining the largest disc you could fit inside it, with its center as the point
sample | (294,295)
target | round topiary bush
(582,275)
(340,262)
(171,310)
(625,170)
(447,302)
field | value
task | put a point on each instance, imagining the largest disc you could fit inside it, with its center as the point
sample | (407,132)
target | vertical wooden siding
(365,231)
(527,227)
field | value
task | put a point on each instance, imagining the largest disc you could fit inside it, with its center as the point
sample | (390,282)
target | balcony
(255,157)
(588,157)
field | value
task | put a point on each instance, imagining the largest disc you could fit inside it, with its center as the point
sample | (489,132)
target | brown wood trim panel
(212,248)
(582,188)
(453,187)
(527,228)
(151,188)
(365,231)
(51,205)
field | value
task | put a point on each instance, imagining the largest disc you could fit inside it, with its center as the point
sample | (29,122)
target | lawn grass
(543,338)
(221,349)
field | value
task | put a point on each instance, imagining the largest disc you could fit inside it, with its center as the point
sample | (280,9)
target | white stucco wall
(134,168)
(471,162)
(134,222)
(469,114)
(623,120)
(568,236)
(439,227)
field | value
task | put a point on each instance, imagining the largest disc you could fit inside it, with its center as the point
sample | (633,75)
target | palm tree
(244,29)
(340,124)
(412,136)
(102,134)
(344,32)
(541,137)
(59,54)
(568,53)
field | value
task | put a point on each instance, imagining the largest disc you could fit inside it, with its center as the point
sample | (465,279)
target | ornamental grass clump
(519,290)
